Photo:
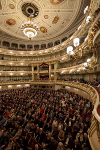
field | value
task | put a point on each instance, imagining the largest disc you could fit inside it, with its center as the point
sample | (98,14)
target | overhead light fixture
(70,71)
(29,28)
(85,10)
(79,27)
(11,74)
(85,39)
(70,50)
(71,37)
(88,60)
(62,72)
(76,42)
(71,53)
(9,86)
(27,85)
(88,19)
(78,70)
(84,68)
(62,44)
(85,64)
(18,85)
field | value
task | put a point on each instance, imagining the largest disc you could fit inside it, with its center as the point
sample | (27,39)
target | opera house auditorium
(49,75)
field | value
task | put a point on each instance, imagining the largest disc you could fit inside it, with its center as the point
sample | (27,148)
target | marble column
(55,68)
(32,72)
(37,71)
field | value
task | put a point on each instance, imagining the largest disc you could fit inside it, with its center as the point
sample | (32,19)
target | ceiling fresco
(53,17)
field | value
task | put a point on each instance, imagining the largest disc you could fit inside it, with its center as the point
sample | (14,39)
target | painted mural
(11,22)
(43,29)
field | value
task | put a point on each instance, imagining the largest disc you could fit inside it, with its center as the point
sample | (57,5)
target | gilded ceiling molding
(56,2)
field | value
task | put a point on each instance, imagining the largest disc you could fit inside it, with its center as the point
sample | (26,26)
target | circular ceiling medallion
(30,10)
(55,20)
(55,2)
(11,22)
(46,16)
(43,29)
(11,6)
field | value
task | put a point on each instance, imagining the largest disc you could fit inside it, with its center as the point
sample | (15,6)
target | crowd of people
(33,119)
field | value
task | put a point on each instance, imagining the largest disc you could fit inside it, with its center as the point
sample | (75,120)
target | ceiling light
(76,42)
(11,52)
(62,58)
(0,74)
(9,86)
(21,63)
(45,51)
(11,63)
(18,85)
(88,19)
(85,64)
(21,53)
(21,73)
(69,50)
(39,52)
(70,71)
(62,44)
(85,10)
(88,60)
(62,72)
(78,70)
(54,48)
(85,39)
(71,37)
(79,27)
(71,53)
(27,85)
(11,74)
(29,28)
(31,53)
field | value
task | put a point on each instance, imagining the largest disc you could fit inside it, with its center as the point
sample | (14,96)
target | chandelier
(29,28)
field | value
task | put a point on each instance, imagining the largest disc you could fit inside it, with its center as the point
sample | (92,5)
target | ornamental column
(32,72)
(37,71)
(55,68)
(49,71)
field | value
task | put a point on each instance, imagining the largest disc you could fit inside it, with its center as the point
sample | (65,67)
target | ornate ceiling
(54,17)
